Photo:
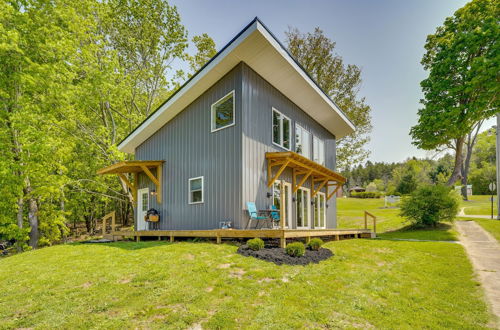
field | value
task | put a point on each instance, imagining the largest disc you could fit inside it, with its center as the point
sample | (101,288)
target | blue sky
(385,38)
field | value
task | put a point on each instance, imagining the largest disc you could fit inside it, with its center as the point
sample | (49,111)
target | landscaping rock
(279,256)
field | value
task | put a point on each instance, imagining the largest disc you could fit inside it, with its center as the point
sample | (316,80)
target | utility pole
(498,165)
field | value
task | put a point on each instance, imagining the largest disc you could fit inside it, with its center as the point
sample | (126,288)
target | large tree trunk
(457,168)
(470,143)
(33,220)
(20,219)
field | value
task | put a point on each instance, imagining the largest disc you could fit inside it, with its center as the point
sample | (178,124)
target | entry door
(320,210)
(142,207)
(288,200)
(303,208)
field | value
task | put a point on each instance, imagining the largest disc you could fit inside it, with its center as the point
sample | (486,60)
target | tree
(462,87)
(341,82)
(429,205)
(75,78)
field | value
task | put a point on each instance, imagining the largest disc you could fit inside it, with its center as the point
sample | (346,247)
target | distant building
(469,189)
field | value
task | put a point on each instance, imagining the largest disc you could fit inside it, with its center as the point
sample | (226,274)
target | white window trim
(281,130)
(202,190)
(320,141)
(308,215)
(316,198)
(212,109)
(298,126)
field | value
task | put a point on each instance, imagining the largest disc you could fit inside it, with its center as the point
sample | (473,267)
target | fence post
(366,221)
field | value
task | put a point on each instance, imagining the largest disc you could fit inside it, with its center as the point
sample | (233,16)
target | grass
(368,283)
(479,205)
(390,224)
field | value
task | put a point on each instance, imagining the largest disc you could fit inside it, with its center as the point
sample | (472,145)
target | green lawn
(479,205)
(368,283)
(389,224)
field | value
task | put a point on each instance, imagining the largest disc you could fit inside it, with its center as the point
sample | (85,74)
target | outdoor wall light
(153,192)
(269,195)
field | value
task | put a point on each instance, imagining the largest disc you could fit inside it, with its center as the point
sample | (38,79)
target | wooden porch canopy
(303,169)
(135,167)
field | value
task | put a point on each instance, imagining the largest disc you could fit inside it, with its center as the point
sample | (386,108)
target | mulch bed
(279,256)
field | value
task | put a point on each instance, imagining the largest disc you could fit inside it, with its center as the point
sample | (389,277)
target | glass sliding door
(303,203)
(288,200)
(320,211)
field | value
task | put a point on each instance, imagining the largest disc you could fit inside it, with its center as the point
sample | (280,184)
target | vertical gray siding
(258,99)
(191,150)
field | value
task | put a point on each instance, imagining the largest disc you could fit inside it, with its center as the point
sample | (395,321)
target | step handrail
(368,214)
(112,216)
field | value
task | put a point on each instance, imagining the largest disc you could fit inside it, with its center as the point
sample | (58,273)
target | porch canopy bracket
(305,167)
(135,167)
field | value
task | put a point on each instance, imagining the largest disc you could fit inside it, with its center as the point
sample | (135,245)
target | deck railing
(368,214)
(111,216)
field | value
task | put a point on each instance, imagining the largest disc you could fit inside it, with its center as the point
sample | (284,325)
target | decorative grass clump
(255,244)
(296,249)
(315,244)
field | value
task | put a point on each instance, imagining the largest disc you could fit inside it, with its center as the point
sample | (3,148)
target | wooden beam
(295,188)
(333,192)
(282,168)
(150,175)
(283,214)
(136,185)
(159,189)
(130,185)
(319,188)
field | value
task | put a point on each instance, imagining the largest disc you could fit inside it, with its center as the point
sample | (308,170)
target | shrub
(429,205)
(296,249)
(255,244)
(315,244)
(366,194)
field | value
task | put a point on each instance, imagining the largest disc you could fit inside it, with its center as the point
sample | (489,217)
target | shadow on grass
(442,232)
(127,245)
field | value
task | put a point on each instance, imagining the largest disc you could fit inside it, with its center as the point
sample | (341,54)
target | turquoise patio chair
(254,214)
(275,216)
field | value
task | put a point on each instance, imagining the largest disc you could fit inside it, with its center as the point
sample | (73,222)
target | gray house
(250,126)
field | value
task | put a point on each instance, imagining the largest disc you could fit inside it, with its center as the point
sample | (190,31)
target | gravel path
(484,252)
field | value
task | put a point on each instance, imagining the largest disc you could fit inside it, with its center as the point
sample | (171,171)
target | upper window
(318,151)
(196,190)
(223,112)
(281,129)
(302,141)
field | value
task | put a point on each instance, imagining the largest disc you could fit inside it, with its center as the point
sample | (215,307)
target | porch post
(282,204)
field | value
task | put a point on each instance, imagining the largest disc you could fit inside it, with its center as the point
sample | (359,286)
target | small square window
(196,190)
(223,112)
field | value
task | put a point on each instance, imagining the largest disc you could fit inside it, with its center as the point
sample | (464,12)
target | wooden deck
(220,234)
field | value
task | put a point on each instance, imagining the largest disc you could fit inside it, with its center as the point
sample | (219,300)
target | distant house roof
(257,47)
(357,188)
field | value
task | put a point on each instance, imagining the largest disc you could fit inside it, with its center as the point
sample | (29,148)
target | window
(223,112)
(196,190)
(318,151)
(281,129)
(302,141)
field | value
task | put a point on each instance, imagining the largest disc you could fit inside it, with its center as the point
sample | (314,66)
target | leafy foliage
(366,194)
(315,244)
(255,244)
(429,205)
(316,53)
(462,87)
(75,78)
(295,249)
